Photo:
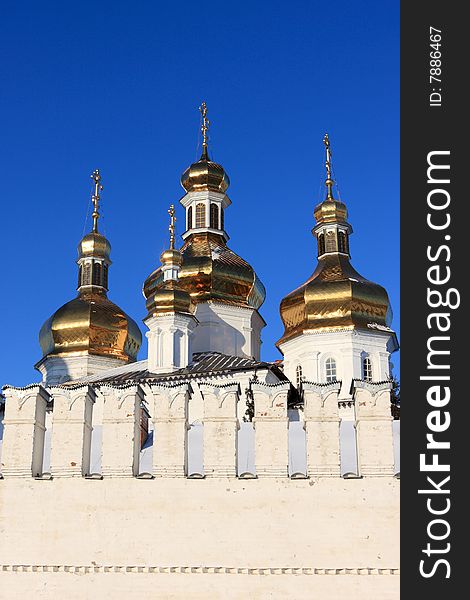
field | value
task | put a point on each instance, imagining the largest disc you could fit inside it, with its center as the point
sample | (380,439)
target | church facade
(203,471)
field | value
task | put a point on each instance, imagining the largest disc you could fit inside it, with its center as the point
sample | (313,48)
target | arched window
(342,242)
(214,213)
(330,370)
(86,274)
(321,244)
(330,242)
(222,219)
(298,376)
(189,218)
(367,369)
(200,215)
(96,280)
(79,275)
(105,275)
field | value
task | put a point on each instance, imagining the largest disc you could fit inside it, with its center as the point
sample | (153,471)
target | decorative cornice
(122,386)
(184,386)
(261,385)
(220,389)
(313,385)
(373,383)
(374,387)
(178,569)
(25,393)
(230,384)
(24,388)
(73,387)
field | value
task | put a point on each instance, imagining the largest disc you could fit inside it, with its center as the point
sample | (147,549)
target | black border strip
(434,124)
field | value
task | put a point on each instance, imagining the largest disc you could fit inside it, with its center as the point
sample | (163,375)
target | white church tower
(170,318)
(224,288)
(337,322)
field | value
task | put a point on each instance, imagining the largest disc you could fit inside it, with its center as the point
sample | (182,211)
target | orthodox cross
(205,126)
(329,182)
(171,228)
(96,198)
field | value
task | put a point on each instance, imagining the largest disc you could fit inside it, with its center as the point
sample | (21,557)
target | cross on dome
(96,198)
(171,228)
(204,127)
(329,181)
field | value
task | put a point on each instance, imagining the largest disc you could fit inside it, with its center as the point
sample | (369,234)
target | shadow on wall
(58,371)
(215,334)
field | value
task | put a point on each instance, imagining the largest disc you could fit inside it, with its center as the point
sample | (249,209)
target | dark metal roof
(204,364)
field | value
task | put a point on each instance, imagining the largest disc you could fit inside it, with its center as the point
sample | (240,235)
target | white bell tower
(170,318)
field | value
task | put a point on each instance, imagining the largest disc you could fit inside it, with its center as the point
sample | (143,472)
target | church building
(298,457)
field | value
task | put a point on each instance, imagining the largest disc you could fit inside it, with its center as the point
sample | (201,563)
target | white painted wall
(170,341)
(326,538)
(59,369)
(348,348)
(231,330)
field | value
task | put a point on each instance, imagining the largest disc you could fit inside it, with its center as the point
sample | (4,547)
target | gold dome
(330,211)
(205,175)
(94,244)
(91,324)
(334,297)
(169,298)
(171,257)
(211,271)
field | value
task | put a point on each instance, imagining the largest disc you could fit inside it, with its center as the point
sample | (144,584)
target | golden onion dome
(169,298)
(330,211)
(205,175)
(94,244)
(211,271)
(171,257)
(334,297)
(91,324)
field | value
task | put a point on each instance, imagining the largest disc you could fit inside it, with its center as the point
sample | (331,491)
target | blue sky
(116,85)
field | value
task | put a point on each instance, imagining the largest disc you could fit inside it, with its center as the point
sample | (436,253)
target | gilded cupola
(205,175)
(170,296)
(91,324)
(336,296)
(210,270)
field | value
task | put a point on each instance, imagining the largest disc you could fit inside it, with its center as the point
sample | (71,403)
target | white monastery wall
(170,536)
(274,523)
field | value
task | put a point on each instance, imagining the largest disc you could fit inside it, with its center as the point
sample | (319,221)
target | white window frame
(331,370)
(367,373)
